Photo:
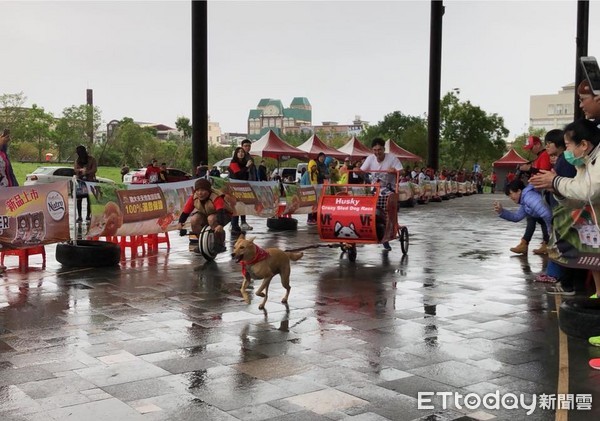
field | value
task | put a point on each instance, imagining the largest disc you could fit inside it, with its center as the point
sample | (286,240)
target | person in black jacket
(238,170)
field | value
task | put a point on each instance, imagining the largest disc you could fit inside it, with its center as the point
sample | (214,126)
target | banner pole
(74,195)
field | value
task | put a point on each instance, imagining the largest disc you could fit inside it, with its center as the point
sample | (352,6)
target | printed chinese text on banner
(34,215)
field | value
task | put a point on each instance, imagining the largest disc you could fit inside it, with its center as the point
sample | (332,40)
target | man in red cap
(542,162)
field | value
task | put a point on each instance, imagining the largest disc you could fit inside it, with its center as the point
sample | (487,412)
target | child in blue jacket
(532,204)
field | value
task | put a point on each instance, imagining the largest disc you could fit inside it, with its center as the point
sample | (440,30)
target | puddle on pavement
(479,254)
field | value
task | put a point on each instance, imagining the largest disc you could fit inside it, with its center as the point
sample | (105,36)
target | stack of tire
(580,317)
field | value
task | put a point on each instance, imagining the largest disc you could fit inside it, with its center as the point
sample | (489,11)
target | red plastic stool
(24,256)
(134,242)
(153,240)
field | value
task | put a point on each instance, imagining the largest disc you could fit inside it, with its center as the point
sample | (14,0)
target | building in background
(552,111)
(232,139)
(331,129)
(214,133)
(162,130)
(270,114)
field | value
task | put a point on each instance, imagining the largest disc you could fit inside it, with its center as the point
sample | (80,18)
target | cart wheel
(352,254)
(207,243)
(404,240)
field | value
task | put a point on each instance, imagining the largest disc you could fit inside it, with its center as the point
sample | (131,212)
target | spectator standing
(262,171)
(201,170)
(124,171)
(85,170)
(238,170)
(577,236)
(494,180)
(247,146)
(316,176)
(215,172)
(162,175)
(152,172)
(7,175)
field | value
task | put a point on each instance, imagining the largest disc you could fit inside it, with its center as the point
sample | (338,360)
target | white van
(299,170)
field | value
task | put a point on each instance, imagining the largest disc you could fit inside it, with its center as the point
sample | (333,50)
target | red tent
(271,146)
(508,163)
(401,153)
(510,159)
(313,146)
(355,149)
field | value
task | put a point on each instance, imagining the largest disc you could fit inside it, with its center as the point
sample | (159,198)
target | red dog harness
(261,254)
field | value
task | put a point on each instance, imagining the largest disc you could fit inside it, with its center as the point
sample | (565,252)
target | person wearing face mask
(576,227)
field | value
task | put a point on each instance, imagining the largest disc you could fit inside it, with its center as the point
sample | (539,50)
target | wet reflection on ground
(170,336)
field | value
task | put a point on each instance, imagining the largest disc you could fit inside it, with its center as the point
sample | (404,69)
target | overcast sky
(348,58)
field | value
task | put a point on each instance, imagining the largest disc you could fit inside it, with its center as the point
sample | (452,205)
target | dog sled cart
(353,214)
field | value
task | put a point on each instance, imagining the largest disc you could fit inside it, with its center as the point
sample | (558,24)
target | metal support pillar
(199,83)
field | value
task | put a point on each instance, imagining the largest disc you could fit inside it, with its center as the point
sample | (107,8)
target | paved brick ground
(169,337)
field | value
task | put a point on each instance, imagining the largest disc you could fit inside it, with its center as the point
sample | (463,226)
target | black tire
(88,253)
(580,317)
(207,243)
(282,224)
(352,254)
(404,242)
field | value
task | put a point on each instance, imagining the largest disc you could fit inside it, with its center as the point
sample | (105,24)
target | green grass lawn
(21,169)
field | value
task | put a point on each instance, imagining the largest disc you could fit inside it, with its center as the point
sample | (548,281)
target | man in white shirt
(380,161)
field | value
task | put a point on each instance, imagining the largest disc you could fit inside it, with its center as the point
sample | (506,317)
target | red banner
(350,218)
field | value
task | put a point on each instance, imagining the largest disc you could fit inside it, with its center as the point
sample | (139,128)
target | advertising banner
(301,199)
(139,210)
(259,198)
(348,218)
(576,237)
(34,215)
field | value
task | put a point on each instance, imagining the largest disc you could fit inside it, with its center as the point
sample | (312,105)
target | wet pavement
(169,337)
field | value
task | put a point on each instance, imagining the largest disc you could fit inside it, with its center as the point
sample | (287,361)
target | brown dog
(263,264)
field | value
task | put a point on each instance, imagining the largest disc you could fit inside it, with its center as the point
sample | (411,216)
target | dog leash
(313,247)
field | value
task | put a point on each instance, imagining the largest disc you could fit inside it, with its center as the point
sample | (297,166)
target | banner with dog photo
(301,199)
(576,237)
(258,198)
(34,215)
(138,210)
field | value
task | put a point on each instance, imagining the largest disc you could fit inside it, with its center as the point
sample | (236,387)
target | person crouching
(206,207)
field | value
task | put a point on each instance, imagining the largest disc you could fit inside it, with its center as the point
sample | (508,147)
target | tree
(184,126)
(136,145)
(12,111)
(409,132)
(36,127)
(72,129)
(468,134)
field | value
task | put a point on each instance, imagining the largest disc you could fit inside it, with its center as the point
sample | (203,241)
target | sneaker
(220,248)
(236,230)
(594,296)
(311,222)
(79,220)
(88,218)
(246,227)
(387,246)
(594,340)
(542,277)
(558,290)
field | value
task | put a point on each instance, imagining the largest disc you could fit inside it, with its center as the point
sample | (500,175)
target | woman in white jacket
(578,234)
